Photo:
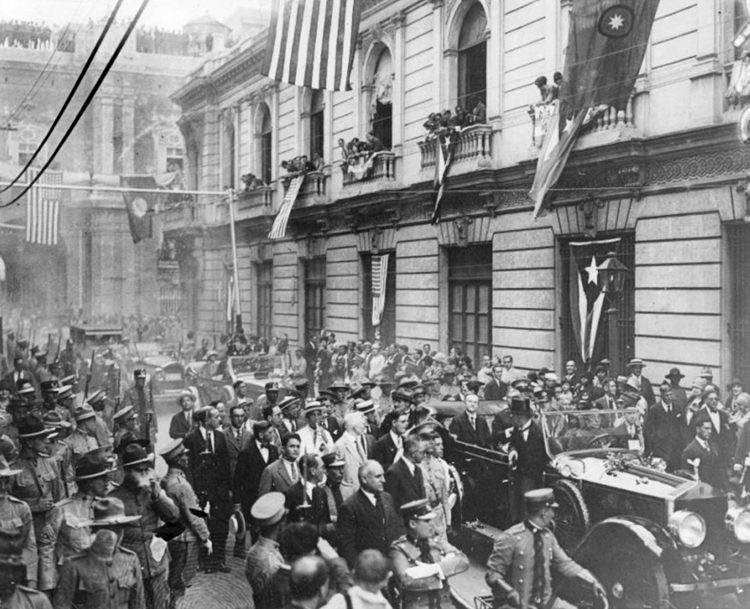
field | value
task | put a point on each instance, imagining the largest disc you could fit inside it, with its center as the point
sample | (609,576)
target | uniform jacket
(80,443)
(512,559)
(178,426)
(138,535)
(248,473)
(87,582)
(402,485)
(176,485)
(346,449)
(263,560)
(361,525)
(67,518)
(385,450)
(17,530)
(710,469)
(28,598)
(38,480)
(461,426)
(275,478)
(532,454)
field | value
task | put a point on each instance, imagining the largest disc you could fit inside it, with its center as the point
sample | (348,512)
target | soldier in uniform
(49,397)
(82,439)
(183,549)
(140,398)
(98,402)
(61,451)
(126,427)
(70,516)
(13,595)
(17,526)
(524,557)
(422,563)
(105,575)
(142,496)
(66,400)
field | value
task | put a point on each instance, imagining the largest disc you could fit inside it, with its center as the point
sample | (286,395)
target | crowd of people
(165,42)
(334,481)
(25,34)
(440,124)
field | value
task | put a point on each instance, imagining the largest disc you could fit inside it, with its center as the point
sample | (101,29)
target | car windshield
(246,364)
(580,430)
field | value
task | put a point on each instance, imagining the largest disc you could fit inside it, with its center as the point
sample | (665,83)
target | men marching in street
(140,398)
(17,524)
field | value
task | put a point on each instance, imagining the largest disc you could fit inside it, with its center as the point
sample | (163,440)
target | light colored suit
(346,449)
(276,478)
(318,441)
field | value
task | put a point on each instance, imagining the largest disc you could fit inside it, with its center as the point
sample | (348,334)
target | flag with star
(607,41)
(586,296)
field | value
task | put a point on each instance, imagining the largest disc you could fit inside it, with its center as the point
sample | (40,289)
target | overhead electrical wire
(71,95)
(84,107)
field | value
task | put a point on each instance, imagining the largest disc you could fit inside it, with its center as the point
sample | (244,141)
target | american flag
(311,42)
(278,230)
(379,281)
(43,208)
(444,147)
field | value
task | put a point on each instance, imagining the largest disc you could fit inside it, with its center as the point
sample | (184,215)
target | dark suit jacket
(647,391)
(661,431)
(385,451)
(402,486)
(247,473)
(494,390)
(500,424)
(532,454)
(317,514)
(461,426)
(178,427)
(211,479)
(235,446)
(724,438)
(332,425)
(362,526)
(710,469)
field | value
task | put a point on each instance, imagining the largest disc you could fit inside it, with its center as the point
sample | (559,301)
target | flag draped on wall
(379,282)
(278,230)
(606,44)
(444,148)
(586,296)
(43,208)
(311,42)
(140,205)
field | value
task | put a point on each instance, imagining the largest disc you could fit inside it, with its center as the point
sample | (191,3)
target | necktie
(237,433)
(361,448)
(538,587)
(379,507)
(189,418)
(424,551)
(473,421)
(210,441)
(295,477)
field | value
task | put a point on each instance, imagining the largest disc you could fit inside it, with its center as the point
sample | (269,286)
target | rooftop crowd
(333,480)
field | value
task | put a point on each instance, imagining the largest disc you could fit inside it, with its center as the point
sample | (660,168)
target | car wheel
(572,518)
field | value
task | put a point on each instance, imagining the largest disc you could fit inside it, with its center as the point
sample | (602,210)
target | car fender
(650,536)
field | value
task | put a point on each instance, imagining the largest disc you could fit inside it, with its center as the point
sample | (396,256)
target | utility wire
(84,107)
(71,94)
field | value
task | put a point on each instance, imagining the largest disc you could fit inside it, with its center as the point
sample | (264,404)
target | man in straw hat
(183,549)
(640,382)
(142,496)
(105,575)
(16,524)
(40,486)
(525,555)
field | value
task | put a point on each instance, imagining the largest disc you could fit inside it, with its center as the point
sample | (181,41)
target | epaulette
(15,499)
(63,502)
(127,551)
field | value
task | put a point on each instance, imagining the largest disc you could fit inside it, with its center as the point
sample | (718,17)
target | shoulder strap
(347,599)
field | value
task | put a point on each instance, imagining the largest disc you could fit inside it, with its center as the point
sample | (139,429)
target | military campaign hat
(83,412)
(90,466)
(54,420)
(134,454)
(269,509)
(419,509)
(33,427)
(110,511)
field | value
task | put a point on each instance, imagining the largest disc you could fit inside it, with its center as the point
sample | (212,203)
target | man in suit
(368,519)
(629,433)
(314,438)
(662,429)
(390,444)
(608,401)
(470,428)
(272,415)
(703,456)
(289,406)
(640,382)
(527,456)
(404,479)
(368,409)
(723,437)
(692,408)
(237,434)
(679,395)
(15,377)
(209,465)
(182,422)
(281,474)
(309,500)
(351,448)
(496,389)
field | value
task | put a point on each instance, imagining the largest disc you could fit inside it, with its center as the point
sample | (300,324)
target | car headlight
(688,527)
(738,521)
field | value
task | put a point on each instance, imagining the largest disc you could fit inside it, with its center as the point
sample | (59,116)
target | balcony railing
(313,188)
(255,202)
(474,144)
(180,216)
(379,166)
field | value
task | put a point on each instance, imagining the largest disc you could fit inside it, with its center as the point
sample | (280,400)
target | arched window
(472,58)
(266,144)
(317,130)
(381,104)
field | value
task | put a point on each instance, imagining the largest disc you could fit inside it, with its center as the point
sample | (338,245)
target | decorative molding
(377,239)
(464,230)
(698,166)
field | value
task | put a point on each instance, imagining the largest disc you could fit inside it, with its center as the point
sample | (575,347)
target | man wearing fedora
(142,497)
(106,575)
(39,485)
(17,525)
(679,394)
(82,439)
(527,456)
(527,554)
(640,382)
(13,594)
(183,549)
(182,421)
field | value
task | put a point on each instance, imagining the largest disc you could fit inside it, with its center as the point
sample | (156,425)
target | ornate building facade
(665,175)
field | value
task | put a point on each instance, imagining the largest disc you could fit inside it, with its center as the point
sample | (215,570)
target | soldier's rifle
(88,375)
(59,346)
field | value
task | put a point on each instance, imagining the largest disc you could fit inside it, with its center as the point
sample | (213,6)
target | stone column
(103,131)
(439,82)
(128,136)
(495,60)
(397,94)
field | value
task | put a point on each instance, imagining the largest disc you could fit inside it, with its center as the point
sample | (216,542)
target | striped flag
(43,208)
(442,164)
(379,282)
(311,42)
(278,230)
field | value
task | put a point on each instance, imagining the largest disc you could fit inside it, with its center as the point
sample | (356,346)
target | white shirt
(315,441)
(715,419)
(409,465)
(291,469)
(525,431)
(370,496)
(263,450)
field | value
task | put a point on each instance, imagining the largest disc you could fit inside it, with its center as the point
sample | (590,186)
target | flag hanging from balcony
(43,208)
(607,41)
(444,145)
(586,296)
(311,42)
(140,205)
(379,282)
(278,230)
